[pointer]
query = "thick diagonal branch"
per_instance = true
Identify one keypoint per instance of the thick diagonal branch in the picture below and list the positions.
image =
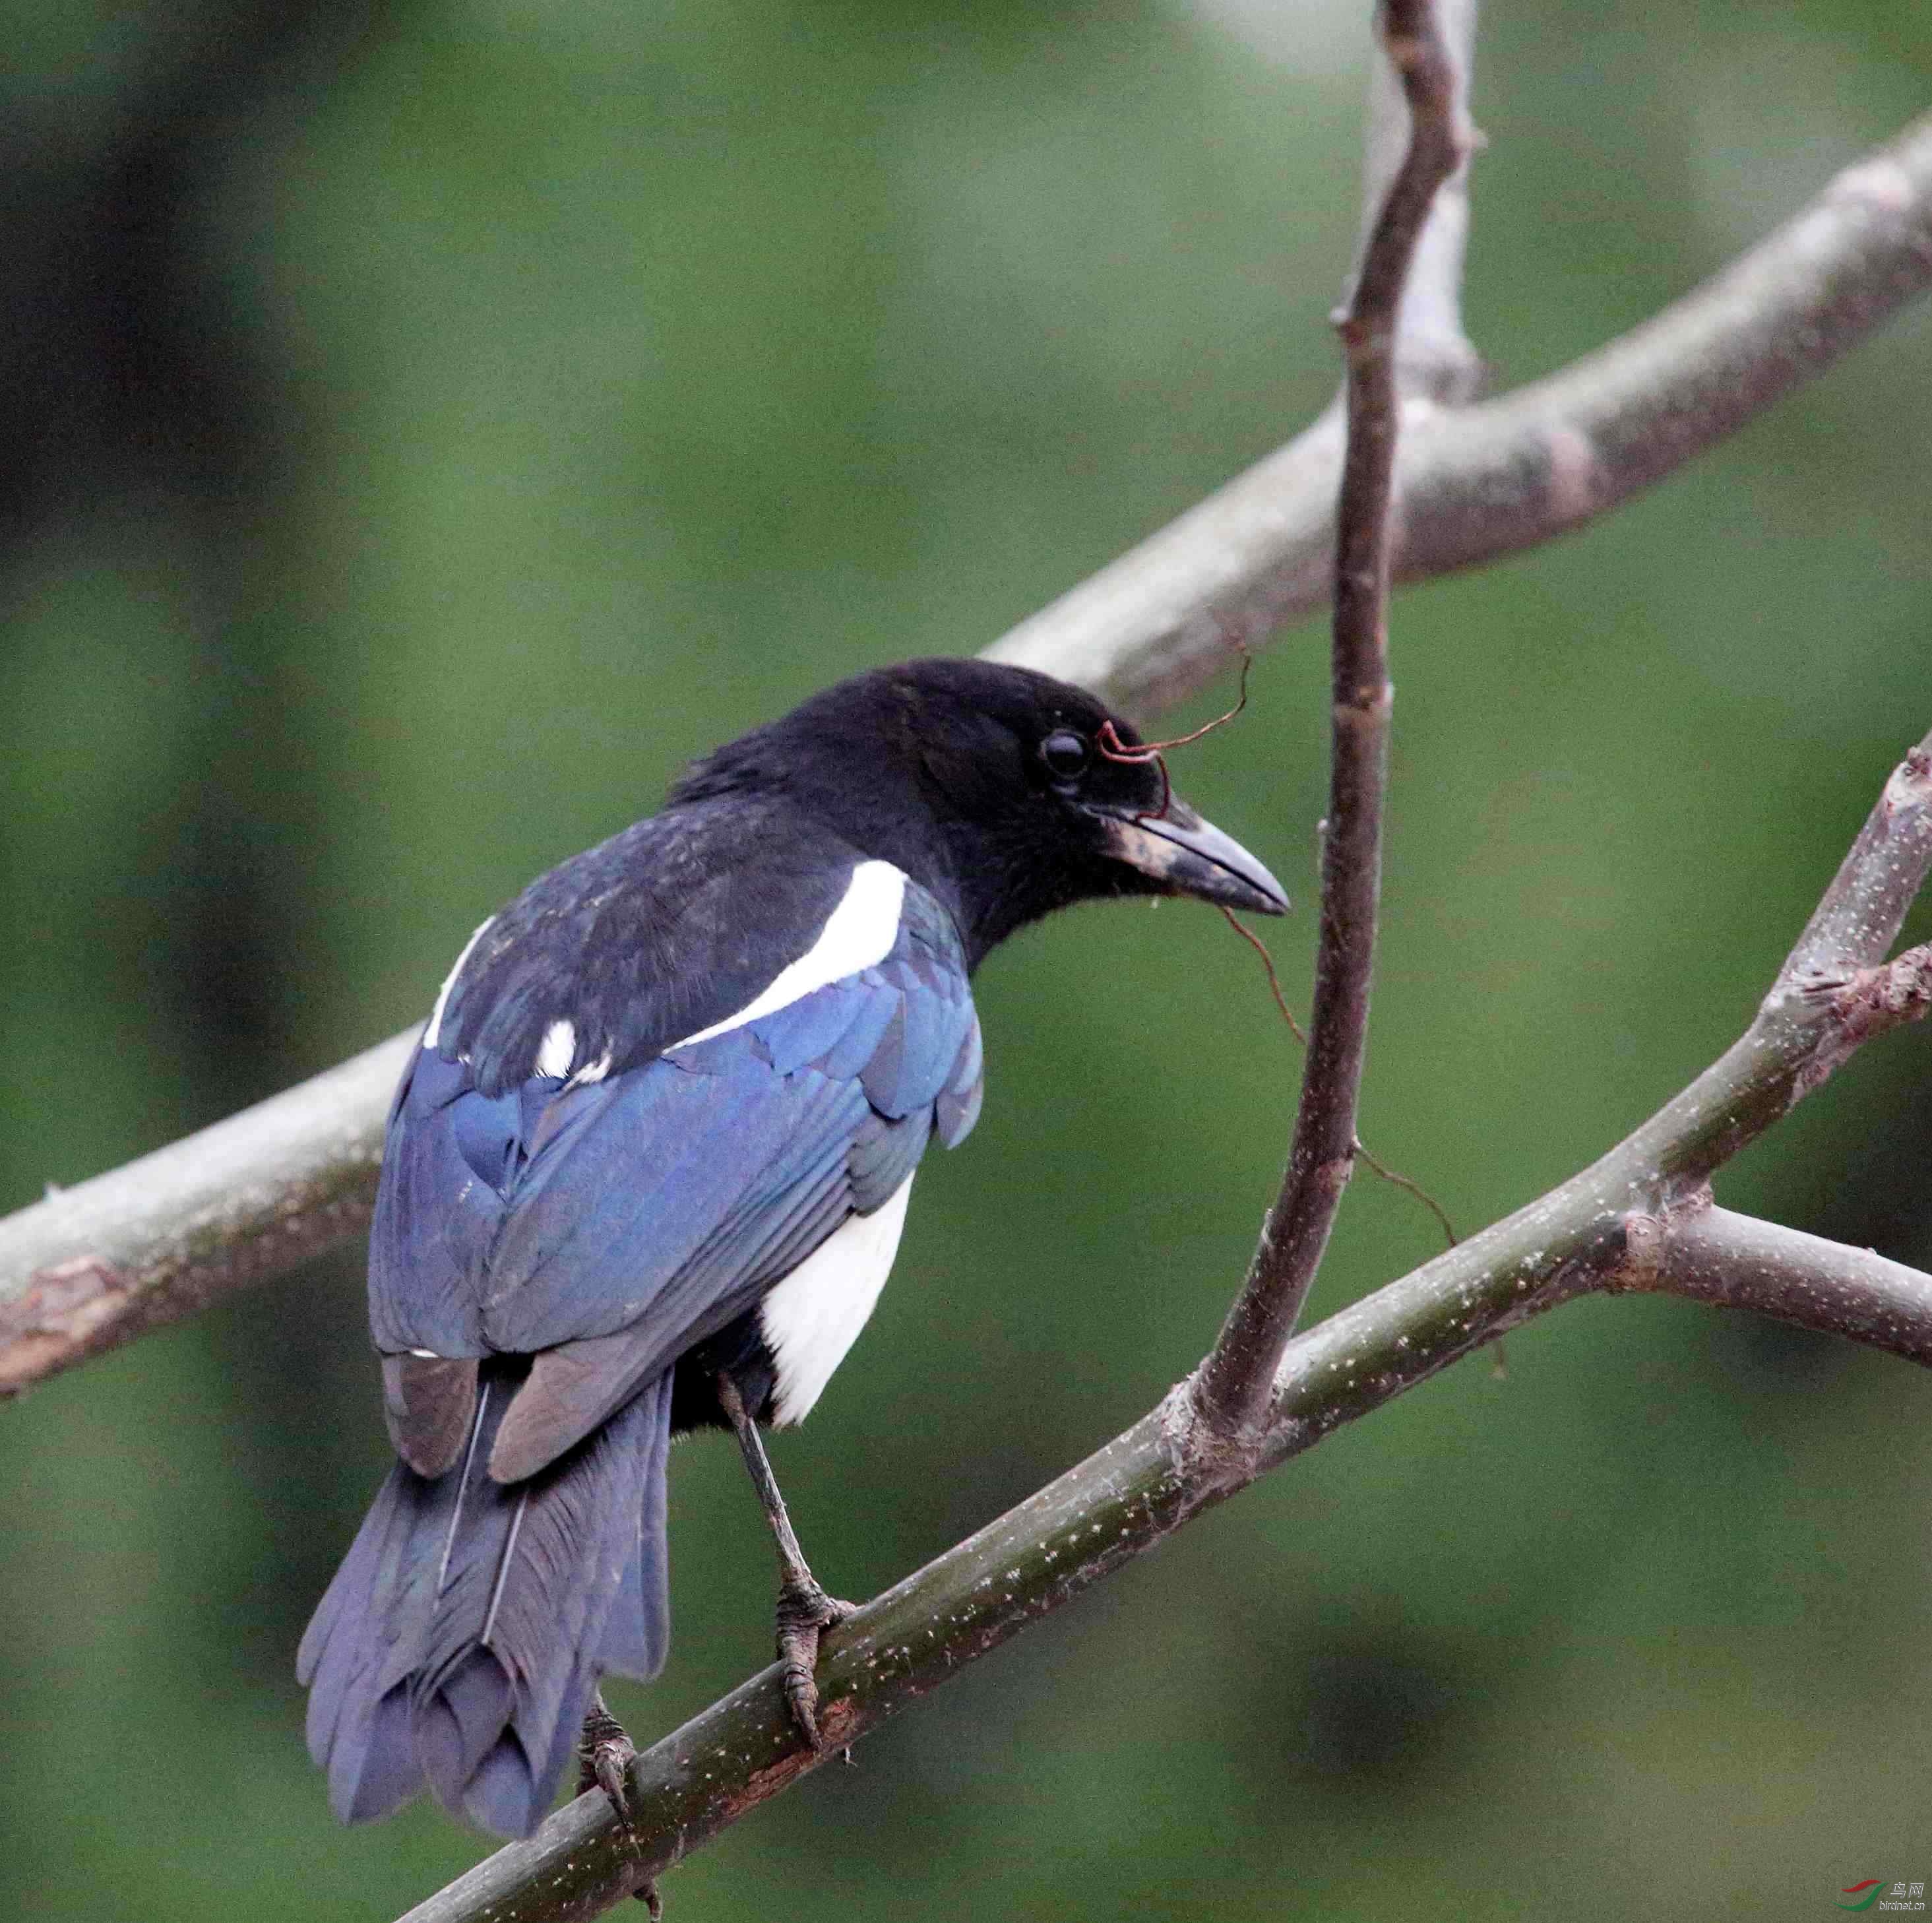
(97, 1265)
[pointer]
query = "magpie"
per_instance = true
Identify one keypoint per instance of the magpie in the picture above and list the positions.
(646, 1172)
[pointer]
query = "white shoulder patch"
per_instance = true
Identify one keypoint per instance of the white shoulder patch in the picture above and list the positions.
(858, 934)
(435, 1028)
(559, 1050)
(815, 1315)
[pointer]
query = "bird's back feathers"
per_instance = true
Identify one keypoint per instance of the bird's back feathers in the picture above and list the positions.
(546, 1246)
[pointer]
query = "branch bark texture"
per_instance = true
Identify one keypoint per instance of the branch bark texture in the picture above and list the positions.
(1231, 1390)
(95, 1265)
(1435, 359)
(1737, 1261)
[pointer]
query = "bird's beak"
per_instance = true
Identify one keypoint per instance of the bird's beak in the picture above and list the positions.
(1188, 856)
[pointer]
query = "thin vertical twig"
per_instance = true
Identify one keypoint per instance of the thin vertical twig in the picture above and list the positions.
(1232, 1389)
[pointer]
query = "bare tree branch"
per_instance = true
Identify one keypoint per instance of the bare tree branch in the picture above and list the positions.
(1435, 359)
(1233, 1385)
(1825, 1003)
(1737, 1261)
(1639, 1218)
(1477, 483)
(1857, 921)
(97, 1265)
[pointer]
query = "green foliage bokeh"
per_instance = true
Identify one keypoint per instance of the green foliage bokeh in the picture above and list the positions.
(625, 373)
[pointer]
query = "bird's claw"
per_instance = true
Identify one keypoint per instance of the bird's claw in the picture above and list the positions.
(804, 1612)
(604, 1755)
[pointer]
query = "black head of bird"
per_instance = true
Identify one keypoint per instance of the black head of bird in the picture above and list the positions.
(1005, 791)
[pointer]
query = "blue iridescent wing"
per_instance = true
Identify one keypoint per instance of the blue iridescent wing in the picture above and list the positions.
(615, 1222)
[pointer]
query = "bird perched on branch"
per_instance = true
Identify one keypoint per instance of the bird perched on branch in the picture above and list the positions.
(647, 1172)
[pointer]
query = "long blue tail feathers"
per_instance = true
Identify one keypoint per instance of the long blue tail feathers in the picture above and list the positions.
(461, 1641)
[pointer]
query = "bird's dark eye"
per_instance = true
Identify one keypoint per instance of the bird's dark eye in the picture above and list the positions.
(1064, 753)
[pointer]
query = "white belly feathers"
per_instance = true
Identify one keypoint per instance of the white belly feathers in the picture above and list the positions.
(814, 1316)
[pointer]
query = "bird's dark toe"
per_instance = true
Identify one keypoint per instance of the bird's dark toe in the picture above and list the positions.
(605, 1755)
(804, 1612)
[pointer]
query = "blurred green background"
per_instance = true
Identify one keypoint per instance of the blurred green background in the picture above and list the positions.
(427, 424)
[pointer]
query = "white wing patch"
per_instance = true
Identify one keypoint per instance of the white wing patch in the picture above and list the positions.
(858, 934)
(814, 1316)
(559, 1050)
(435, 1028)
